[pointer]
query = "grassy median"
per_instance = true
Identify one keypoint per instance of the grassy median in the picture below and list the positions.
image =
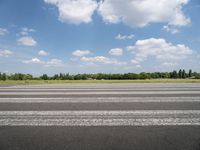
(100, 81)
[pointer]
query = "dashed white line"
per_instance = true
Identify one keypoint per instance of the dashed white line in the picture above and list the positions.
(100, 118)
(101, 100)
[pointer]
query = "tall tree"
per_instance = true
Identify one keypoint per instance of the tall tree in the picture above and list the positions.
(190, 73)
(183, 74)
(174, 74)
(180, 73)
(4, 76)
(44, 77)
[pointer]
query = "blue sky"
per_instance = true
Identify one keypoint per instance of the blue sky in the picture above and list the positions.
(90, 36)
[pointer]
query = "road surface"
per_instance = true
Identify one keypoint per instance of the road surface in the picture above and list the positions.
(100, 116)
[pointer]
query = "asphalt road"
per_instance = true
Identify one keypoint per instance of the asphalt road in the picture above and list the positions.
(100, 116)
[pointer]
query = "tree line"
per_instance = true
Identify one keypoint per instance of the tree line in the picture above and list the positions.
(181, 74)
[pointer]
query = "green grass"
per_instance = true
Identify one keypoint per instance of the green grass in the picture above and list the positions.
(100, 81)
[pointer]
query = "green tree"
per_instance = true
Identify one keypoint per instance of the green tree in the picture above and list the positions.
(174, 75)
(180, 73)
(183, 74)
(3, 77)
(197, 76)
(56, 77)
(144, 75)
(190, 73)
(44, 77)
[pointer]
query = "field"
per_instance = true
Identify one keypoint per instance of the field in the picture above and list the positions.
(100, 81)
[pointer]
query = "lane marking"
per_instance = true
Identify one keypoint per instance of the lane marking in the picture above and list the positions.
(97, 89)
(101, 122)
(111, 113)
(102, 100)
(100, 118)
(95, 93)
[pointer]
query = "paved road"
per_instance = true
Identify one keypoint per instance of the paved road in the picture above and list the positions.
(100, 116)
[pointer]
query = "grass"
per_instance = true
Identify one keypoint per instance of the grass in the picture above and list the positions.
(100, 81)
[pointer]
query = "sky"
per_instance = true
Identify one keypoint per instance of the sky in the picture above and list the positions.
(99, 36)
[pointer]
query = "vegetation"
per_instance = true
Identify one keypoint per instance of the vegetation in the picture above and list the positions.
(181, 74)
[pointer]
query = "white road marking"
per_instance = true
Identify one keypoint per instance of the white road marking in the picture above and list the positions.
(100, 118)
(96, 93)
(102, 100)
(97, 89)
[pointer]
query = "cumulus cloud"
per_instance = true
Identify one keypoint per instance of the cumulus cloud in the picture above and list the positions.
(27, 41)
(116, 51)
(33, 61)
(139, 13)
(136, 61)
(158, 48)
(138, 66)
(124, 37)
(74, 11)
(5, 53)
(3, 31)
(55, 63)
(80, 53)
(171, 29)
(25, 31)
(102, 60)
(52, 63)
(168, 64)
(42, 53)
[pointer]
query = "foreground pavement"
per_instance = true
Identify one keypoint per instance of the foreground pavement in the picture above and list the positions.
(100, 116)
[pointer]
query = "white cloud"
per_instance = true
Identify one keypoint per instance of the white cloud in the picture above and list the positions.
(159, 49)
(124, 37)
(3, 31)
(138, 66)
(27, 41)
(171, 29)
(5, 53)
(139, 13)
(52, 63)
(168, 64)
(42, 53)
(102, 60)
(34, 61)
(116, 52)
(135, 61)
(80, 53)
(75, 11)
(25, 31)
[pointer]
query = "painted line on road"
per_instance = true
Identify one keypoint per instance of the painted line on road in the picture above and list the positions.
(95, 89)
(95, 93)
(100, 118)
(102, 100)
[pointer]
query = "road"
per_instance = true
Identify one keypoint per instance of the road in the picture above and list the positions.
(100, 116)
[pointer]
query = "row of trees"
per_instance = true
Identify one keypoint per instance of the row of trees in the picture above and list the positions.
(181, 74)
(16, 76)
